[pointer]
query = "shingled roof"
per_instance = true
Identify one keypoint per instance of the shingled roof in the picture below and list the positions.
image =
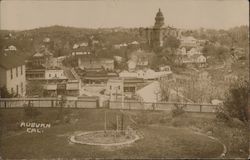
(11, 60)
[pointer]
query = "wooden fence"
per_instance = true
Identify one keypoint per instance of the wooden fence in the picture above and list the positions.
(163, 106)
(93, 103)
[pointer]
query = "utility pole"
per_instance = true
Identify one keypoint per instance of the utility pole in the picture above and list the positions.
(122, 93)
(105, 122)
(117, 124)
(116, 94)
(122, 122)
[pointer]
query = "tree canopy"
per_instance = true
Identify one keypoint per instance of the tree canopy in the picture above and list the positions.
(236, 102)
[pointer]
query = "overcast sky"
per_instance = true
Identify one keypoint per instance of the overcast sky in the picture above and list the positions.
(19, 15)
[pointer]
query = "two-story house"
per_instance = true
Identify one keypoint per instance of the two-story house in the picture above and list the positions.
(12, 73)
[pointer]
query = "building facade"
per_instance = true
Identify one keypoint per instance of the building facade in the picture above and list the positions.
(95, 63)
(12, 71)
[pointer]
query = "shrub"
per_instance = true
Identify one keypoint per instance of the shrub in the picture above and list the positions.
(4, 93)
(178, 110)
(63, 114)
(179, 122)
(31, 111)
(143, 118)
(165, 118)
(222, 114)
(236, 102)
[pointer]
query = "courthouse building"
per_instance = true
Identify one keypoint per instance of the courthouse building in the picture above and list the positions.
(159, 32)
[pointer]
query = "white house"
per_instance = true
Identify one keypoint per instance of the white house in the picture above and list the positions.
(95, 63)
(54, 74)
(46, 40)
(75, 46)
(114, 87)
(11, 48)
(147, 74)
(131, 65)
(165, 68)
(230, 78)
(118, 59)
(126, 74)
(188, 41)
(193, 51)
(12, 71)
(200, 59)
(152, 75)
(84, 44)
(182, 51)
(76, 53)
(62, 82)
(134, 43)
(95, 42)
(119, 46)
(217, 102)
(142, 62)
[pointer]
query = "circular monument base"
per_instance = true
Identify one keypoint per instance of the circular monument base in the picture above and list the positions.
(102, 138)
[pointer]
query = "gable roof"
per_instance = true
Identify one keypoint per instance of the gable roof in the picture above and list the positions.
(38, 54)
(11, 60)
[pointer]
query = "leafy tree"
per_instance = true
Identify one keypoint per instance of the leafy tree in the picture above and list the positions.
(222, 52)
(219, 52)
(172, 42)
(30, 111)
(34, 88)
(4, 93)
(236, 102)
(70, 61)
(165, 90)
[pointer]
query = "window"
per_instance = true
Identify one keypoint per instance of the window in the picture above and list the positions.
(11, 74)
(16, 71)
(110, 87)
(12, 91)
(49, 75)
(119, 87)
(21, 87)
(17, 89)
(21, 70)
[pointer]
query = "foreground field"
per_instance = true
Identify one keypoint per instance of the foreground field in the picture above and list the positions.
(163, 136)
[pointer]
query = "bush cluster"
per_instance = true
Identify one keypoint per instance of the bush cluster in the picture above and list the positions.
(178, 110)
(31, 112)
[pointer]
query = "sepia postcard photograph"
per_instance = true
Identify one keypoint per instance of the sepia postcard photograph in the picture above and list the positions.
(124, 79)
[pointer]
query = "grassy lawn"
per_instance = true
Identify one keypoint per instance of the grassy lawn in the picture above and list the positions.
(163, 136)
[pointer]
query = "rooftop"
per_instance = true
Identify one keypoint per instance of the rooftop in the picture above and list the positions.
(11, 60)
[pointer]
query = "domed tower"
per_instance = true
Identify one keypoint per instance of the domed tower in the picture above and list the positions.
(157, 34)
(159, 19)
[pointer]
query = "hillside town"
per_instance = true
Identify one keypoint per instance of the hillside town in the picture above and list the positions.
(159, 55)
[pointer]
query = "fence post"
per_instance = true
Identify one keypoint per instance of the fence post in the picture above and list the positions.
(75, 103)
(5, 105)
(52, 103)
(200, 108)
(97, 103)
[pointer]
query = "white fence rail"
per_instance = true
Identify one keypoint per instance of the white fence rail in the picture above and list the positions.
(129, 105)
